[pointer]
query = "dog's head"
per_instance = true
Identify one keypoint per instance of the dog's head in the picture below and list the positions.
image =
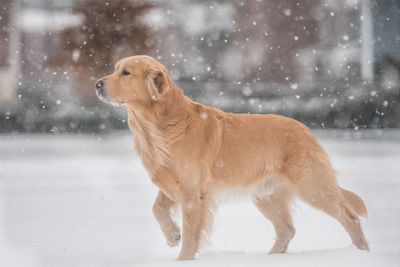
(137, 79)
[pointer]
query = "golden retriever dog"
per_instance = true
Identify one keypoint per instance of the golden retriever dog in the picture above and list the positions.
(195, 154)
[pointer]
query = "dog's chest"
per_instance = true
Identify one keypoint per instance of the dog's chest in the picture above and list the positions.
(152, 151)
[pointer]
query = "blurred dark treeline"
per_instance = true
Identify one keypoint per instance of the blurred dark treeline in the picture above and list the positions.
(331, 64)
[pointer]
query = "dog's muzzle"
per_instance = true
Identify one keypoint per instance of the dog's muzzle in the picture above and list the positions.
(101, 93)
(100, 88)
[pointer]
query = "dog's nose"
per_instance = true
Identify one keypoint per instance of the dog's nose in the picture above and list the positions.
(99, 84)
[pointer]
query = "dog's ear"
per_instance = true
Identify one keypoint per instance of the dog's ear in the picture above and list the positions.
(157, 83)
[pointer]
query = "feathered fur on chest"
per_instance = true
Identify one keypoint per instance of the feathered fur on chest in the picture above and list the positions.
(149, 143)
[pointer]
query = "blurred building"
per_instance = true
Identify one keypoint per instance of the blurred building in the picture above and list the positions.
(6, 84)
(231, 54)
(344, 50)
(248, 41)
(29, 29)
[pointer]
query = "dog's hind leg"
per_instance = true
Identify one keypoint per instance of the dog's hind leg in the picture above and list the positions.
(162, 209)
(319, 189)
(276, 208)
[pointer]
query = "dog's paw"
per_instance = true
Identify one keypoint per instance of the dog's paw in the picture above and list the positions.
(279, 247)
(174, 239)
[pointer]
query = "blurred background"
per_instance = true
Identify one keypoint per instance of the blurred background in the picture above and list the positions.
(73, 192)
(329, 63)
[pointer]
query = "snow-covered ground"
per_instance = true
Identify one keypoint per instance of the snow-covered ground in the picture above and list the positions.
(86, 201)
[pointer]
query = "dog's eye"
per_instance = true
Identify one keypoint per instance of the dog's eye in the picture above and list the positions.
(125, 72)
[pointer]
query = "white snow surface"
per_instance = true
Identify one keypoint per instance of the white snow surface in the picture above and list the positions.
(84, 200)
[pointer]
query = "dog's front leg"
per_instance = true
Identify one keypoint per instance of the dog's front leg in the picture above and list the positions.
(162, 209)
(195, 212)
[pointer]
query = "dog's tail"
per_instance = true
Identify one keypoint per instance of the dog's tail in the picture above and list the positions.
(355, 202)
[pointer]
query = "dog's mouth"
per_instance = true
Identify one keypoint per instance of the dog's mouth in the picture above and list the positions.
(104, 98)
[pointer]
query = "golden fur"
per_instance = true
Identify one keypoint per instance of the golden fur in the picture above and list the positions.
(195, 153)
